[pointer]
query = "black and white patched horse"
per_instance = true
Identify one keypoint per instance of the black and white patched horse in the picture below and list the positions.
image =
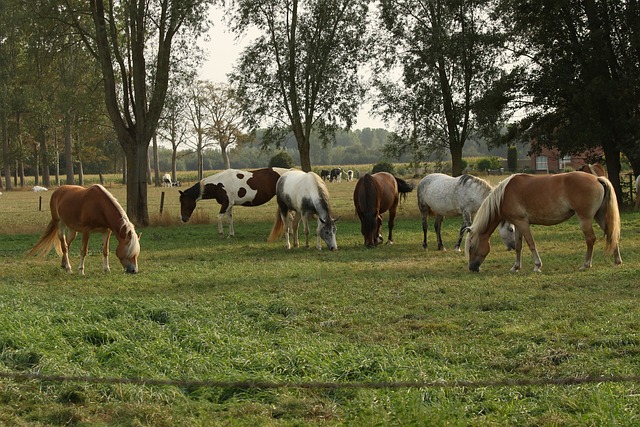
(231, 187)
(335, 175)
(303, 194)
(442, 195)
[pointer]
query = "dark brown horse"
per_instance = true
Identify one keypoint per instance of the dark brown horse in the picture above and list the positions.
(231, 187)
(76, 209)
(374, 195)
(546, 200)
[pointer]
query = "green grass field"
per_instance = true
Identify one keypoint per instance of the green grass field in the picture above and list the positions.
(241, 309)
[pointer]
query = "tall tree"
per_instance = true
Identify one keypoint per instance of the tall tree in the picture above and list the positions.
(301, 72)
(446, 53)
(133, 41)
(581, 61)
(227, 124)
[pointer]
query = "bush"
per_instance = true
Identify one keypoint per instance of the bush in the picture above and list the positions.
(383, 167)
(281, 160)
(487, 163)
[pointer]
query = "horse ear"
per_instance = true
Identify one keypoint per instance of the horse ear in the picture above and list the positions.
(336, 219)
(180, 191)
(139, 235)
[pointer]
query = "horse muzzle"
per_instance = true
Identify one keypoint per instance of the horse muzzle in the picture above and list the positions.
(474, 267)
(184, 218)
(131, 269)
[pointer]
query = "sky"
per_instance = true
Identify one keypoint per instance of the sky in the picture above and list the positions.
(222, 51)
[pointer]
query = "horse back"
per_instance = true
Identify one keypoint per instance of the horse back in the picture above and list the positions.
(387, 189)
(551, 199)
(81, 209)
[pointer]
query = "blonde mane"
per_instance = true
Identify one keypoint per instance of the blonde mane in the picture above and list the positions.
(489, 209)
(133, 246)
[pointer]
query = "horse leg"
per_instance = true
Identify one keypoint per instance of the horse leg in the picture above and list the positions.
(526, 233)
(392, 217)
(105, 251)
(84, 249)
(296, 226)
(425, 225)
(220, 230)
(466, 222)
(517, 264)
(438, 227)
(230, 216)
(65, 244)
(590, 239)
(287, 220)
(305, 223)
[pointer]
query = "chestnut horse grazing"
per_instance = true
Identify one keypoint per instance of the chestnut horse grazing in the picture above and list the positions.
(304, 194)
(231, 187)
(76, 209)
(374, 195)
(442, 195)
(546, 200)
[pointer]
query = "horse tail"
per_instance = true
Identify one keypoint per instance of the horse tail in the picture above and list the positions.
(404, 187)
(48, 241)
(612, 215)
(277, 229)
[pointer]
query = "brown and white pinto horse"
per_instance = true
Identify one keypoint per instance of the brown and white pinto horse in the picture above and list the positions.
(76, 209)
(374, 195)
(546, 200)
(231, 187)
(594, 169)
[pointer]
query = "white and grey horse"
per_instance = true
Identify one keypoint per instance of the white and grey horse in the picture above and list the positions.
(304, 194)
(442, 195)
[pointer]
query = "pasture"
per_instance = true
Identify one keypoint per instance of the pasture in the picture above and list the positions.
(242, 309)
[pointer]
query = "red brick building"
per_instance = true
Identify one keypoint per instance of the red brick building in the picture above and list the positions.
(550, 161)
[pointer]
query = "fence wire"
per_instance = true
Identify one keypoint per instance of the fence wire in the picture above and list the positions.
(249, 384)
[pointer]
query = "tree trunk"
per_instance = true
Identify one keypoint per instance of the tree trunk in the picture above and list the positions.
(156, 165)
(80, 173)
(137, 161)
(174, 161)
(68, 152)
(456, 158)
(6, 165)
(225, 158)
(612, 159)
(44, 159)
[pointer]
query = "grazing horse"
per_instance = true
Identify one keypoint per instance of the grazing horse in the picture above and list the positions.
(442, 195)
(166, 180)
(349, 175)
(374, 195)
(324, 174)
(335, 175)
(305, 194)
(546, 200)
(77, 209)
(231, 187)
(594, 169)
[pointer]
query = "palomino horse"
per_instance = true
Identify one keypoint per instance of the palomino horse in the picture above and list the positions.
(442, 195)
(231, 187)
(305, 194)
(546, 200)
(594, 169)
(86, 210)
(374, 195)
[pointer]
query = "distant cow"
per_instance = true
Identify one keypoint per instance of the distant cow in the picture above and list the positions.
(324, 174)
(349, 175)
(166, 180)
(336, 175)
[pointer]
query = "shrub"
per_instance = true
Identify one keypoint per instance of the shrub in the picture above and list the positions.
(383, 167)
(487, 163)
(281, 160)
(512, 158)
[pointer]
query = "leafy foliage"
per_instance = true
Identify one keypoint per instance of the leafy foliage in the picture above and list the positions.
(281, 160)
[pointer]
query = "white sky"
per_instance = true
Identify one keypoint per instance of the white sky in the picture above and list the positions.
(222, 51)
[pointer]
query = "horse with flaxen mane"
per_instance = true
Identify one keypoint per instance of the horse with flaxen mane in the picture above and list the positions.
(304, 194)
(546, 200)
(76, 209)
(374, 195)
(231, 187)
(442, 195)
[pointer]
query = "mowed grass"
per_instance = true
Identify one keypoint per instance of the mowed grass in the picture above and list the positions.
(209, 309)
